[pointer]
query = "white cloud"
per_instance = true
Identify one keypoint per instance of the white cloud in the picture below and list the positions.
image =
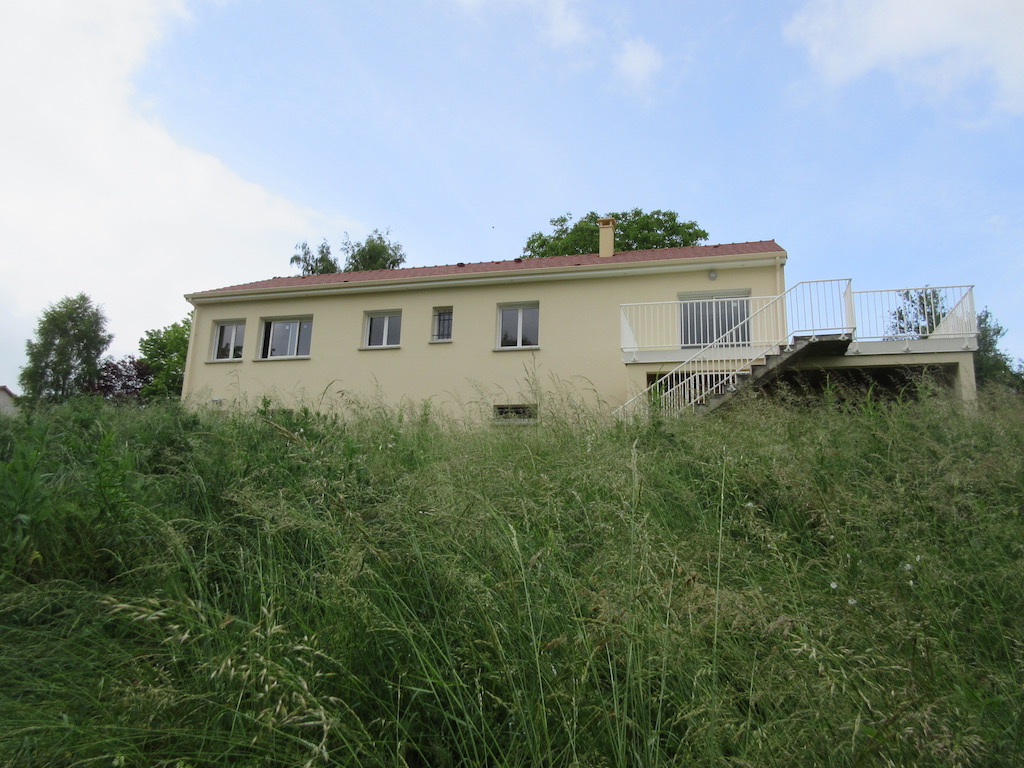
(941, 45)
(96, 198)
(563, 25)
(561, 22)
(637, 62)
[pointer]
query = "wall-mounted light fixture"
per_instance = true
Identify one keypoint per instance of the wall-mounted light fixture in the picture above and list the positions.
(712, 275)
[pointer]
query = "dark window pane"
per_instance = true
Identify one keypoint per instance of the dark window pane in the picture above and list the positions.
(281, 337)
(510, 327)
(376, 335)
(703, 322)
(443, 324)
(394, 330)
(734, 323)
(223, 342)
(713, 321)
(305, 337)
(725, 321)
(531, 323)
(688, 323)
(239, 340)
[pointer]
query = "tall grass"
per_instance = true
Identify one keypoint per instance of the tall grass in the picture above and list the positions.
(784, 583)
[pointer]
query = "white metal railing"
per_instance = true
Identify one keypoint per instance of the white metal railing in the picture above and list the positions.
(916, 313)
(673, 325)
(819, 306)
(748, 329)
(759, 330)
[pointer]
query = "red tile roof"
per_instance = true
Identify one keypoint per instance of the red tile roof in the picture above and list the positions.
(511, 266)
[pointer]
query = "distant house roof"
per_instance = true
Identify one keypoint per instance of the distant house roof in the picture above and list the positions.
(7, 400)
(495, 268)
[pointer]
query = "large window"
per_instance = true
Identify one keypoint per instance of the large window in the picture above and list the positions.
(442, 324)
(287, 338)
(706, 318)
(518, 325)
(383, 329)
(228, 340)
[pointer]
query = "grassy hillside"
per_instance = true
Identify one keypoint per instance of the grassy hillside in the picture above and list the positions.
(833, 584)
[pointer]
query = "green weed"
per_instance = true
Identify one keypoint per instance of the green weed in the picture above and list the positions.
(808, 582)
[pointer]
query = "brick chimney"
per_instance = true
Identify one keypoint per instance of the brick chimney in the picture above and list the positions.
(606, 237)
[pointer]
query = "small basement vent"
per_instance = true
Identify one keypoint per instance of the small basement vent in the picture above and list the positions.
(522, 413)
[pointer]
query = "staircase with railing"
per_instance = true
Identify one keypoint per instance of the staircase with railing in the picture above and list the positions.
(764, 335)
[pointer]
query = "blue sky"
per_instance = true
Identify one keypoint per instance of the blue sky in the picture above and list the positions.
(151, 148)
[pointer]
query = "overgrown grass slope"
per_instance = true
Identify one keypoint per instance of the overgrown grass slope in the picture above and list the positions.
(781, 584)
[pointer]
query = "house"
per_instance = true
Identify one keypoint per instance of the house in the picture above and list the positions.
(8, 405)
(679, 326)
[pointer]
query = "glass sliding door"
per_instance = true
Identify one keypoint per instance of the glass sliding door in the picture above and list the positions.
(706, 319)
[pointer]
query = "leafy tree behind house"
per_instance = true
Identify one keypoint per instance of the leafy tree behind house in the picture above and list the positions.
(377, 251)
(320, 263)
(918, 313)
(123, 379)
(164, 351)
(991, 364)
(64, 359)
(635, 230)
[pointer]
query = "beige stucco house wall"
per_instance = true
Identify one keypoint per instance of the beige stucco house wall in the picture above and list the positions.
(500, 338)
(575, 301)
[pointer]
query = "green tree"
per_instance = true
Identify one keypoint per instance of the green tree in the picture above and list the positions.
(918, 314)
(123, 379)
(378, 251)
(64, 359)
(991, 364)
(164, 351)
(634, 231)
(321, 263)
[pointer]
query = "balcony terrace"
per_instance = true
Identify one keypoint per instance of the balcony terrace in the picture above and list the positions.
(712, 343)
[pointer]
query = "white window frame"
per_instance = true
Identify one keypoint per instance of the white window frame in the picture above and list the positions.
(519, 307)
(388, 315)
(437, 328)
(233, 348)
(294, 341)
